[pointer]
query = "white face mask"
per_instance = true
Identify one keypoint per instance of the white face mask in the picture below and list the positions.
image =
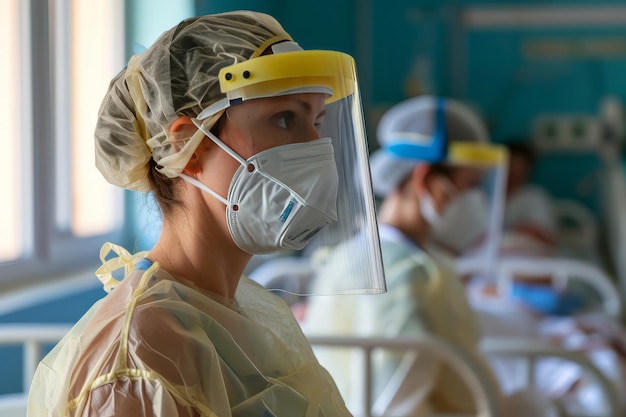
(463, 222)
(427, 204)
(428, 210)
(280, 198)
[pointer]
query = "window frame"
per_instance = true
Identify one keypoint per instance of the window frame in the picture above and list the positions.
(50, 250)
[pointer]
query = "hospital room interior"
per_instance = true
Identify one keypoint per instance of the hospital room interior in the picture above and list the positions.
(545, 78)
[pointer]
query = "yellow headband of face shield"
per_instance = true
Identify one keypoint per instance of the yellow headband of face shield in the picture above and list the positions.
(288, 73)
(477, 154)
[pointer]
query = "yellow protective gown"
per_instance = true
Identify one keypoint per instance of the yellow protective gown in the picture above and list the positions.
(158, 346)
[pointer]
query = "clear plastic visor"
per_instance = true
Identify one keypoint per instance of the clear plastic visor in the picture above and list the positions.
(351, 243)
(471, 229)
(350, 246)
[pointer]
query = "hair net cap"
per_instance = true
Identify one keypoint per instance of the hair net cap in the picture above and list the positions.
(414, 120)
(176, 76)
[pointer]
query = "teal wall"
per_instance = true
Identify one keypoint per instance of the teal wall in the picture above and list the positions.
(406, 47)
(512, 87)
(403, 48)
(513, 84)
(147, 19)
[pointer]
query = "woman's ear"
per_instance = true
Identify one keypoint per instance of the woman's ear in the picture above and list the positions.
(194, 166)
(182, 123)
(418, 179)
(440, 189)
(182, 128)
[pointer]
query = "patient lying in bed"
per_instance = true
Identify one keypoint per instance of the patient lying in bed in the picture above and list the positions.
(542, 305)
(529, 224)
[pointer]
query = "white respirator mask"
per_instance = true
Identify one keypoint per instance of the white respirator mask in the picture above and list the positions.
(428, 210)
(279, 198)
(463, 221)
(427, 204)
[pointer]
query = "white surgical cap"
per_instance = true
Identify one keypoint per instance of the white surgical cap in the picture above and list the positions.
(176, 76)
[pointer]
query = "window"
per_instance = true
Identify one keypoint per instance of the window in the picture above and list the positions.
(10, 106)
(95, 56)
(62, 56)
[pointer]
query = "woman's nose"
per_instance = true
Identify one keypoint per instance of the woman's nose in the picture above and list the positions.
(310, 134)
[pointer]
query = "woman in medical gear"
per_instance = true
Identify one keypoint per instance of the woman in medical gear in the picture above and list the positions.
(433, 159)
(224, 120)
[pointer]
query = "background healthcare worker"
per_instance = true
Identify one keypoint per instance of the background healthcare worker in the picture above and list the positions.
(223, 119)
(432, 160)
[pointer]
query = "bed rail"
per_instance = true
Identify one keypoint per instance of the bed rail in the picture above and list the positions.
(32, 337)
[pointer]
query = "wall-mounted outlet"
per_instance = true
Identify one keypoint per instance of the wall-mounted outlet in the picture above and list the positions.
(566, 132)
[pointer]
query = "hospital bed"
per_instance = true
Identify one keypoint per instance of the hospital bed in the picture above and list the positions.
(427, 347)
(294, 273)
(419, 352)
(578, 259)
(577, 228)
(602, 331)
(35, 337)
(291, 275)
(586, 175)
(614, 201)
(578, 264)
(562, 270)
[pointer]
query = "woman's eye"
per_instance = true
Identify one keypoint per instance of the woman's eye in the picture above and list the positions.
(284, 120)
(319, 123)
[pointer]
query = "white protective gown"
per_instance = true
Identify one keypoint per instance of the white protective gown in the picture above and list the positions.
(158, 346)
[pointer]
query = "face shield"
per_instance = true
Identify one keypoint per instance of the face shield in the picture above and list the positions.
(470, 226)
(287, 71)
(448, 136)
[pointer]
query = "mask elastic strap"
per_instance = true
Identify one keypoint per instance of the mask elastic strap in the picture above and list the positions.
(203, 187)
(227, 149)
(238, 158)
(219, 143)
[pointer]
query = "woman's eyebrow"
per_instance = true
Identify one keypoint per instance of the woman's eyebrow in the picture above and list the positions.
(306, 106)
(303, 103)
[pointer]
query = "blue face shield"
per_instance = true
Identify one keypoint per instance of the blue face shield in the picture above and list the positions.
(547, 300)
